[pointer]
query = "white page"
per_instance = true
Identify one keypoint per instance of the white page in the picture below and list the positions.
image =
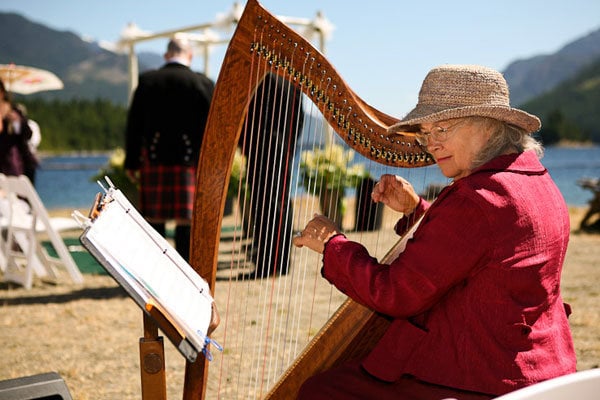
(146, 259)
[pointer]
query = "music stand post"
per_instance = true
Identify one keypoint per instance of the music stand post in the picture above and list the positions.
(152, 362)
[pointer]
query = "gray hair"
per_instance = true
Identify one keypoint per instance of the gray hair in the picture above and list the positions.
(178, 45)
(505, 137)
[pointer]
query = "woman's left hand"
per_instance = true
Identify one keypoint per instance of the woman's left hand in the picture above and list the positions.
(316, 233)
(397, 193)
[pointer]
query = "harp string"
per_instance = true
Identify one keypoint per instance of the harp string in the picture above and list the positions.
(271, 229)
(291, 287)
(275, 333)
(267, 322)
(270, 288)
(278, 114)
(321, 133)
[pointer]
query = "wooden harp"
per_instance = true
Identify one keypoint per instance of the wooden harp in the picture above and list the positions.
(264, 45)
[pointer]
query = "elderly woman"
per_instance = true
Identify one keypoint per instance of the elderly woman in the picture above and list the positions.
(475, 297)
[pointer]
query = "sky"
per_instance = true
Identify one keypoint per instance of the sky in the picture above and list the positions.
(382, 48)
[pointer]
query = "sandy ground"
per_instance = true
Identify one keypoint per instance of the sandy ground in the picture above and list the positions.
(89, 333)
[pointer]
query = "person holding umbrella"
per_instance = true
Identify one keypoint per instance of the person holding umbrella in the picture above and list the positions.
(17, 131)
(15, 155)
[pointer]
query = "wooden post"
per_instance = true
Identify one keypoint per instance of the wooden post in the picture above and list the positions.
(152, 362)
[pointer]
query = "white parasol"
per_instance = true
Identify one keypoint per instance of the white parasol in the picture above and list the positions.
(26, 80)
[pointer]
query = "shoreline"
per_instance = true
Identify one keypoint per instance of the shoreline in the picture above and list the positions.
(567, 163)
(66, 211)
(60, 153)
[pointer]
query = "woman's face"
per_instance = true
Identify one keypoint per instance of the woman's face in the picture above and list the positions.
(456, 149)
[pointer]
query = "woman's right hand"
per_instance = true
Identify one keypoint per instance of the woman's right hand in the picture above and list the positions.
(397, 193)
(317, 233)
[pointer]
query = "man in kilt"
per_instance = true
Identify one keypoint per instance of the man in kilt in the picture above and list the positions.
(165, 126)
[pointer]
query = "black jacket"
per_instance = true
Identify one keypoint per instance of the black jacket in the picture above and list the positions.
(167, 116)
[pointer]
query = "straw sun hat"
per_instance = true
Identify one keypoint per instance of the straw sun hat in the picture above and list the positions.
(456, 91)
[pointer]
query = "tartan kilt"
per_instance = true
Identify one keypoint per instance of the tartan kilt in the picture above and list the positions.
(167, 191)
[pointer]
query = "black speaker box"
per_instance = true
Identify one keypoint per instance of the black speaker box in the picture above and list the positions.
(48, 386)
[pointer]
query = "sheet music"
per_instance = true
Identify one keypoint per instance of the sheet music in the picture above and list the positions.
(149, 267)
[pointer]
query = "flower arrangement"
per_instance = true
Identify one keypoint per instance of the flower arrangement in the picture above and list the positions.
(330, 168)
(327, 172)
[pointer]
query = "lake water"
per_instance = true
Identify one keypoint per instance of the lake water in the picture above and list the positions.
(65, 181)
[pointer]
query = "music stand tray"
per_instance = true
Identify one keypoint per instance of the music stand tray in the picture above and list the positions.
(150, 270)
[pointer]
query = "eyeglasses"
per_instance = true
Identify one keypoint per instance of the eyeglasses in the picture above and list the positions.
(436, 133)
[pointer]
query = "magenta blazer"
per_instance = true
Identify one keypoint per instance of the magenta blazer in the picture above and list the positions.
(475, 297)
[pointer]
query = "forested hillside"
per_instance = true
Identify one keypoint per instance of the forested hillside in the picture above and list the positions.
(535, 76)
(78, 125)
(571, 111)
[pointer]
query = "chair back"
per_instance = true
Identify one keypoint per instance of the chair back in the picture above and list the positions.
(583, 385)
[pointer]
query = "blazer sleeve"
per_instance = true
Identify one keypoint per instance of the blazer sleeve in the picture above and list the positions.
(445, 249)
(407, 221)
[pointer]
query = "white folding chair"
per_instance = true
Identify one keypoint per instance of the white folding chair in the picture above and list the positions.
(25, 219)
(583, 385)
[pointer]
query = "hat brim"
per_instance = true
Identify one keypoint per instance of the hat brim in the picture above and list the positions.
(427, 114)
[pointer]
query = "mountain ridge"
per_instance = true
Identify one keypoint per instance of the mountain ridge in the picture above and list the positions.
(560, 87)
(90, 71)
(534, 76)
